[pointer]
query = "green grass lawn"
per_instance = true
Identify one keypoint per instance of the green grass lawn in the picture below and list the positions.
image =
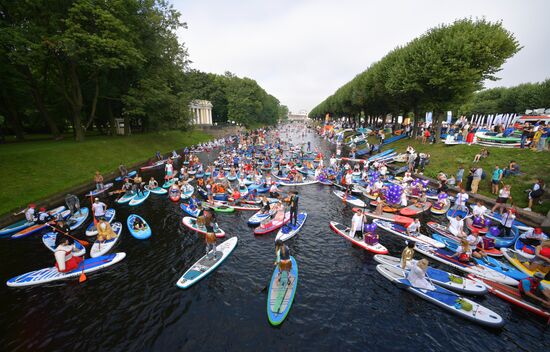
(37, 169)
(445, 158)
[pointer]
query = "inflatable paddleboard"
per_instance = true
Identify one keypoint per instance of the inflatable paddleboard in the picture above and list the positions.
(139, 234)
(109, 216)
(49, 241)
(139, 198)
(281, 293)
(288, 231)
(343, 231)
(101, 248)
(46, 275)
(157, 190)
(207, 264)
(191, 223)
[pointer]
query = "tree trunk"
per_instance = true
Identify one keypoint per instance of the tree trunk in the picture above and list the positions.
(112, 126)
(437, 125)
(76, 102)
(12, 115)
(94, 105)
(415, 122)
(126, 125)
(40, 105)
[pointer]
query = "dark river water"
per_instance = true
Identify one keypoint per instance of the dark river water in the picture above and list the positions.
(341, 304)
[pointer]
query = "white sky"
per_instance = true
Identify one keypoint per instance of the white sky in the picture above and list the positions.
(301, 51)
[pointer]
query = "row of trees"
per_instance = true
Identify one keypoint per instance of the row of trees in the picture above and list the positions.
(437, 71)
(513, 99)
(79, 64)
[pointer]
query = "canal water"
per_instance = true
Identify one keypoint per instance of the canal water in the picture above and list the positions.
(342, 303)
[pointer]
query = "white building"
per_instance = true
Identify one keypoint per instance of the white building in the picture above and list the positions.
(300, 116)
(201, 112)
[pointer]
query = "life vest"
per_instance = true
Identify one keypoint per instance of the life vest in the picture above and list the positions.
(545, 252)
(533, 288)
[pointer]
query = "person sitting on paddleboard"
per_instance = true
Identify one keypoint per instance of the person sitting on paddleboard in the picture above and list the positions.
(65, 261)
(282, 253)
(152, 183)
(456, 225)
(273, 190)
(414, 228)
(542, 259)
(99, 209)
(43, 216)
(62, 229)
(532, 289)
(479, 210)
(265, 205)
(463, 252)
(408, 254)
(139, 225)
(417, 275)
(30, 212)
(104, 231)
(357, 222)
(474, 240)
(98, 179)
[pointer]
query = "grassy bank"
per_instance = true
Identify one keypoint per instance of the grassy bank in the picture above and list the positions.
(38, 169)
(447, 159)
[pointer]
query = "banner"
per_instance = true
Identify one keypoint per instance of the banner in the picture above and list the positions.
(449, 117)
(428, 118)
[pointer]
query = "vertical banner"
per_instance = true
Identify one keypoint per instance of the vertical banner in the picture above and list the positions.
(490, 121)
(449, 117)
(428, 118)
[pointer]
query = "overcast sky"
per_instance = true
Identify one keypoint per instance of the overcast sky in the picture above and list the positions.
(301, 51)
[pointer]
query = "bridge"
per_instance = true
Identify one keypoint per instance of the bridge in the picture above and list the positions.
(300, 116)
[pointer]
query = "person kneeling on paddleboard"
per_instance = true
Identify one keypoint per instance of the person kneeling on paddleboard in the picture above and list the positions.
(532, 289)
(99, 209)
(65, 261)
(474, 240)
(282, 252)
(152, 183)
(139, 225)
(413, 228)
(463, 252)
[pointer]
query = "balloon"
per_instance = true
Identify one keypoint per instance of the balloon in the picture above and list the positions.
(477, 220)
(494, 231)
(487, 222)
(442, 196)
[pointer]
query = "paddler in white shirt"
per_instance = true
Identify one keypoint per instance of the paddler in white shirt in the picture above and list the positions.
(357, 222)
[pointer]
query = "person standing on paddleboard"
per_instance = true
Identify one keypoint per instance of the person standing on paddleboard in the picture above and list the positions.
(357, 222)
(73, 204)
(210, 237)
(294, 208)
(138, 183)
(99, 209)
(282, 253)
(98, 179)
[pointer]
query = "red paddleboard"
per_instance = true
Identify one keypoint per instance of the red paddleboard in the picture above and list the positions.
(272, 225)
(479, 229)
(415, 209)
(403, 220)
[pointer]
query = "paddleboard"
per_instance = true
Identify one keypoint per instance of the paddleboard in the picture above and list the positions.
(130, 174)
(49, 241)
(401, 231)
(281, 294)
(139, 234)
(207, 263)
(139, 198)
(109, 216)
(43, 276)
(96, 192)
(415, 209)
(101, 248)
(191, 223)
(157, 190)
(351, 199)
(343, 231)
(268, 226)
(288, 231)
(126, 197)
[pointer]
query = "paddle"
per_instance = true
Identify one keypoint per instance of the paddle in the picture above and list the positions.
(82, 242)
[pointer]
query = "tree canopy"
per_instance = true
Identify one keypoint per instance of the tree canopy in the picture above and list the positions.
(438, 70)
(79, 64)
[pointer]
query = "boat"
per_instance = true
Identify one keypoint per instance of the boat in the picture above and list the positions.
(444, 298)
(494, 139)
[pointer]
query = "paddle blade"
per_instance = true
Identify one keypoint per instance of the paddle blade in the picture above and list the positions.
(82, 278)
(84, 243)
